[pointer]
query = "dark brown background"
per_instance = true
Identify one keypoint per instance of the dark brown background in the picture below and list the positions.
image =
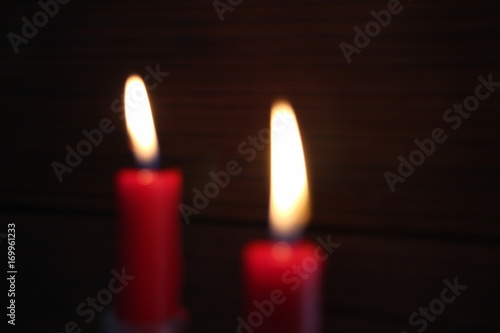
(397, 248)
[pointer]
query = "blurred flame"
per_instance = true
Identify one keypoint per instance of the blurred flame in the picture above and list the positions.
(289, 209)
(139, 119)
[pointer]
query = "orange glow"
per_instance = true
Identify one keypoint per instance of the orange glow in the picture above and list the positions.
(281, 251)
(139, 119)
(289, 207)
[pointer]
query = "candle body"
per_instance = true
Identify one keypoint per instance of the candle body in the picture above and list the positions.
(149, 244)
(282, 287)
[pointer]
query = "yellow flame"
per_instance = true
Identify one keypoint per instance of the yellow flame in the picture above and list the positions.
(139, 119)
(289, 209)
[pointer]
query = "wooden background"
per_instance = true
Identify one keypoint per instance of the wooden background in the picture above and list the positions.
(397, 248)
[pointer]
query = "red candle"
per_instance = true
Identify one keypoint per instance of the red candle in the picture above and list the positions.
(149, 221)
(282, 277)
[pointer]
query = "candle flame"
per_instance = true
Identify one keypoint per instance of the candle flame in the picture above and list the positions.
(140, 124)
(289, 209)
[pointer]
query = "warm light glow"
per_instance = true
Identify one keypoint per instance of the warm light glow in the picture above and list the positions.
(289, 209)
(139, 119)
